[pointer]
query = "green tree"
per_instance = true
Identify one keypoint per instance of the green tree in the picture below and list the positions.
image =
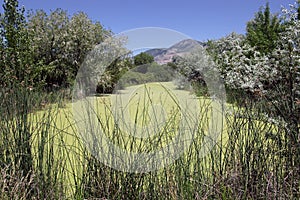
(286, 59)
(16, 69)
(298, 10)
(61, 43)
(275, 76)
(15, 44)
(263, 31)
(103, 66)
(113, 73)
(84, 35)
(223, 51)
(143, 58)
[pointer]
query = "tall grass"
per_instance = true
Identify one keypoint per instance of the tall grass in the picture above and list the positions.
(32, 146)
(248, 162)
(43, 157)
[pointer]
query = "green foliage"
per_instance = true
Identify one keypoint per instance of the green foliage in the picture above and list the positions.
(123, 72)
(162, 73)
(143, 58)
(61, 43)
(286, 93)
(46, 50)
(195, 69)
(298, 10)
(270, 79)
(147, 73)
(112, 75)
(263, 31)
(136, 78)
(16, 57)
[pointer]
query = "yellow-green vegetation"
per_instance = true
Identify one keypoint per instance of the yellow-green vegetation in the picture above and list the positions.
(55, 142)
(142, 118)
(65, 149)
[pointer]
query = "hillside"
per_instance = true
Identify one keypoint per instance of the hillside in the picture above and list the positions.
(165, 55)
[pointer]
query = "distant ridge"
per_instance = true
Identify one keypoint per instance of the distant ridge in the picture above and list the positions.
(165, 55)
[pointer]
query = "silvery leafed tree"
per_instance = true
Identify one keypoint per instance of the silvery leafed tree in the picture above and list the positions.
(271, 76)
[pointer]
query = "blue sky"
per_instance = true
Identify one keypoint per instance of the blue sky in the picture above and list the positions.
(199, 19)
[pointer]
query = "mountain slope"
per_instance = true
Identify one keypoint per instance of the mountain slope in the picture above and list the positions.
(163, 56)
